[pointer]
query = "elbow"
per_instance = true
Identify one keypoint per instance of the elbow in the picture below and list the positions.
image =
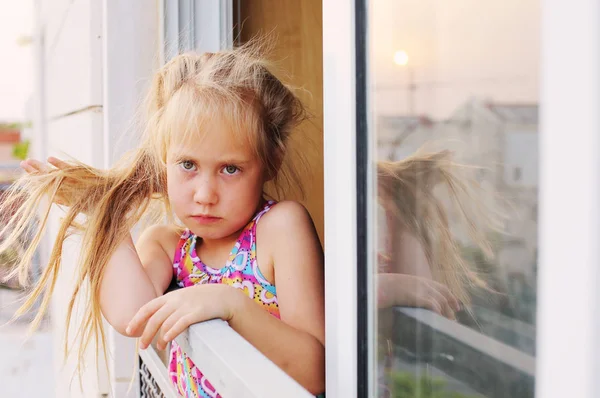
(119, 324)
(120, 327)
(119, 316)
(315, 382)
(316, 388)
(311, 374)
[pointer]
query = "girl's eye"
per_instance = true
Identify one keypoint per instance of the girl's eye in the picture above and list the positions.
(187, 165)
(230, 169)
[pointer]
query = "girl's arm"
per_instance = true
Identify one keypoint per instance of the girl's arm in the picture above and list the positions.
(406, 279)
(127, 285)
(296, 342)
(406, 253)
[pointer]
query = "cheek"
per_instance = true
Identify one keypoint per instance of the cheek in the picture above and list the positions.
(249, 194)
(171, 185)
(175, 191)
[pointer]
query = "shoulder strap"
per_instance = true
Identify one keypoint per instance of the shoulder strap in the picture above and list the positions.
(182, 247)
(248, 236)
(264, 210)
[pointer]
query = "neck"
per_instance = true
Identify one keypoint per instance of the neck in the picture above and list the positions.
(212, 245)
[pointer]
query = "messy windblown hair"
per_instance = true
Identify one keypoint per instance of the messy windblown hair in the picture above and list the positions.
(412, 190)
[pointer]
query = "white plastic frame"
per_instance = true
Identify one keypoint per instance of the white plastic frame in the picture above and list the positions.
(568, 288)
(339, 94)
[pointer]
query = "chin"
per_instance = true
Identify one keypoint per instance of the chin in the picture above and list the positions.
(223, 229)
(211, 233)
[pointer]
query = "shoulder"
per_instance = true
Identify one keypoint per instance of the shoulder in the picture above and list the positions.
(156, 247)
(287, 228)
(285, 216)
(164, 236)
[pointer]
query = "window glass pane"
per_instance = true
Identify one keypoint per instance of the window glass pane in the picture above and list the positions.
(453, 110)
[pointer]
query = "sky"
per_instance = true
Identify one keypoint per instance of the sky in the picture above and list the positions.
(457, 49)
(16, 66)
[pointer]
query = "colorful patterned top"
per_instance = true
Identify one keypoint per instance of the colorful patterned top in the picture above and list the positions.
(241, 271)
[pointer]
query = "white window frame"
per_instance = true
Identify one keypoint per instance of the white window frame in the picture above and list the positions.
(568, 322)
(187, 25)
(568, 294)
(339, 94)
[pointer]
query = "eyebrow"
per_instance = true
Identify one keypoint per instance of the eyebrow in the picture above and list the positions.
(178, 157)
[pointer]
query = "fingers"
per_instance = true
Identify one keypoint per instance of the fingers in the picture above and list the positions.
(141, 317)
(154, 324)
(437, 302)
(454, 303)
(175, 324)
(432, 304)
(59, 164)
(451, 298)
(182, 323)
(25, 166)
(161, 344)
(439, 298)
(33, 166)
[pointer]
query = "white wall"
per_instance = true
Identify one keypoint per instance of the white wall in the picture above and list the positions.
(70, 124)
(93, 62)
(131, 40)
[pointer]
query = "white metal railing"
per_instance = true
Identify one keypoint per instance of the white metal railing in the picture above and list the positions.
(499, 351)
(234, 367)
(154, 376)
(476, 360)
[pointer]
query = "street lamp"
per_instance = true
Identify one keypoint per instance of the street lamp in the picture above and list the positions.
(401, 59)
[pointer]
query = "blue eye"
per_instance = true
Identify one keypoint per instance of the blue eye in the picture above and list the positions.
(187, 165)
(230, 169)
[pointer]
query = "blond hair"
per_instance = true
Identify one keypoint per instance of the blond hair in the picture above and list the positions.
(190, 89)
(409, 190)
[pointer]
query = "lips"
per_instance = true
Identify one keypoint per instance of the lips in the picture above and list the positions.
(205, 218)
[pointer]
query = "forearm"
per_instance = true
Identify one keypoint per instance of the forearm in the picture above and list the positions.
(409, 255)
(298, 353)
(125, 286)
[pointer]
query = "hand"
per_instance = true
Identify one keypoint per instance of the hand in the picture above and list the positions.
(33, 166)
(172, 313)
(414, 291)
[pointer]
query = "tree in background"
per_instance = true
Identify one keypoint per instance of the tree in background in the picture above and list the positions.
(21, 149)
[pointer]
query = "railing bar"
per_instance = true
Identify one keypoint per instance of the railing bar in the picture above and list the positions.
(478, 341)
(233, 366)
(159, 372)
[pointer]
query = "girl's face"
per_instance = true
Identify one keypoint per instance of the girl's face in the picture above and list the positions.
(215, 184)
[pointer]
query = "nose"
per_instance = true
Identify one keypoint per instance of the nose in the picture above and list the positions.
(205, 192)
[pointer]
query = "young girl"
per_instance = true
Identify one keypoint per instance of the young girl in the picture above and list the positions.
(215, 137)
